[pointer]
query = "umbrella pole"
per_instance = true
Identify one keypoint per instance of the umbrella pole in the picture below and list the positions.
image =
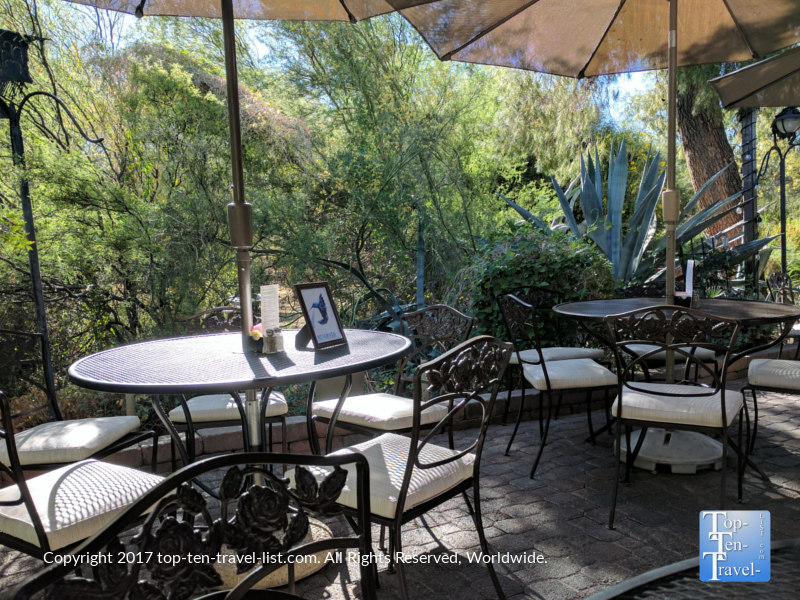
(240, 213)
(671, 198)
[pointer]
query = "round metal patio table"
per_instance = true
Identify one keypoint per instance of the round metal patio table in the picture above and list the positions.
(750, 313)
(206, 364)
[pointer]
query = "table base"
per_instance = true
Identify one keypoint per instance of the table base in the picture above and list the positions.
(684, 451)
(317, 531)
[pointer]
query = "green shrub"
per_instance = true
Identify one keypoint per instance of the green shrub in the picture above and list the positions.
(528, 256)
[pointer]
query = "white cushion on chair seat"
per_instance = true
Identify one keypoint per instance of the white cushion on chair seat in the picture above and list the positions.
(221, 407)
(569, 374)
(388, 456)
(781, 374)
(702, 354)
(687, 409)
(379, 411)
(532, 356)
(68, 441)
(74, 502)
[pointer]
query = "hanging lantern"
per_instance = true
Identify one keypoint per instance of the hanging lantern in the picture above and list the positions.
(14, 71)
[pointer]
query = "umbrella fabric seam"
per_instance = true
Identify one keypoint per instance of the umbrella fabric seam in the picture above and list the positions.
(740, 30)
(582, 72)
(488, 30)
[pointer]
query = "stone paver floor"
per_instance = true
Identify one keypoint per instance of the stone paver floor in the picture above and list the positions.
(562, 513)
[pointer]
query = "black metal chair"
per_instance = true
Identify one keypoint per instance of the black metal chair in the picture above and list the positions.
(254, 520)
(779, 288)
(550, 377)
(779, 375)
(220, 410)
(409, 475)
(57, 441)
(658, 289)
(434, 330)
(55, 511)
(542, 300)
(681, 406)
(652, 289)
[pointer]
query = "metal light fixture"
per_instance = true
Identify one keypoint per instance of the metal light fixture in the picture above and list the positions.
(785, 126)
(786, 123)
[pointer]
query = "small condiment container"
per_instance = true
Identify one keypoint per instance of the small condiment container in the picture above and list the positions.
(270, 347)
(695, 299)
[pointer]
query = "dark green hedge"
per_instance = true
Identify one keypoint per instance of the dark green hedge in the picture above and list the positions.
(530, 256)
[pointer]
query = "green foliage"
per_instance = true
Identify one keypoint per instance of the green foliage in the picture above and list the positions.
(529, 256)
(12, 232)
(545, 120)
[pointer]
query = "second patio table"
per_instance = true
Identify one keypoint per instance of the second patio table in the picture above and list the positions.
(749, 312)
(685, 450)
(217, 364)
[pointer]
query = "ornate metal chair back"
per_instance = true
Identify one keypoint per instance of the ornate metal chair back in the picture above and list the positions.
(470, 372)
(653, 289)
(221, 319)
(550, 325)
(22, 366)
(434, 330)
(680, 330)
(524, 328)
(780, 288)
(257, 529)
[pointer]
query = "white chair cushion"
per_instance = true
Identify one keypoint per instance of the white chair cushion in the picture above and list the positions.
(74, 502)
(688, 409)
(703, 354)
(532, 356)
(221, 407)
(569, 374)
(387, 456)
(379, 411)
(68, 441)
(781, 374)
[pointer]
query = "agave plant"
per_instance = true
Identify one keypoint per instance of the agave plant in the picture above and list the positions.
(605, 226)
(628, 254)
(604, 223)
(626, 247)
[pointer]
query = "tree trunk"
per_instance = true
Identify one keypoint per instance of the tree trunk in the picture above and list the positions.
(707, 152)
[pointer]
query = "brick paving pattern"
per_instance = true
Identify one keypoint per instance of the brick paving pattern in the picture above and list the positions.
(562, 515)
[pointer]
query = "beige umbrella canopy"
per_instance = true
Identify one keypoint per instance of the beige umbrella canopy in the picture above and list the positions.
(773, 82)
(583, 38)
(267, 10)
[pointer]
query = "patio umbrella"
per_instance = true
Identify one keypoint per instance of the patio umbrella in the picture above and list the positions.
(240, 212)
(772, 82)
(583, 38)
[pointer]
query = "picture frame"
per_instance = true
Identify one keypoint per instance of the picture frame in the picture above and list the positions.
(321, 316)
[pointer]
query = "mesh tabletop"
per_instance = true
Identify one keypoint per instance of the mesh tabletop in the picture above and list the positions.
(682, 582)
(749, 312)
(217, 363)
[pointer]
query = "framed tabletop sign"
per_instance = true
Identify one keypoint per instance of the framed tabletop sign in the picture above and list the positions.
(320, 314)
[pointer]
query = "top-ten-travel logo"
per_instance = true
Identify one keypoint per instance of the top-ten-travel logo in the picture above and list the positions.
(734, 545)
